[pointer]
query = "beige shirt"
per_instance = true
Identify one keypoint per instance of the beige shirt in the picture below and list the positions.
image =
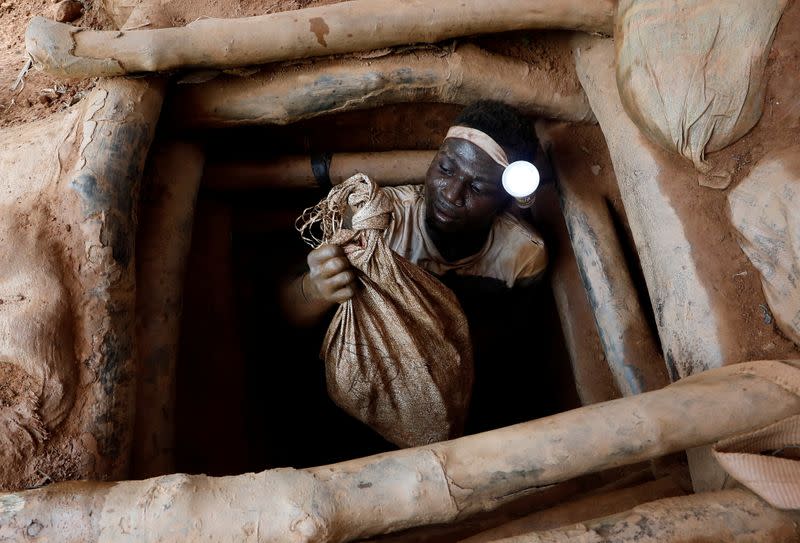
(513, 250)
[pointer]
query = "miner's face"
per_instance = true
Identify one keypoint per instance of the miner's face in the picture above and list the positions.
(463, 191)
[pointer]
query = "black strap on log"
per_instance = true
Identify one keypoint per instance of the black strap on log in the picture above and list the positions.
(321, 168)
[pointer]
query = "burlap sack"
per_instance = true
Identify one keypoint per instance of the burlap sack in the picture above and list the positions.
(691, 74)
(765, 209)
(398, 354)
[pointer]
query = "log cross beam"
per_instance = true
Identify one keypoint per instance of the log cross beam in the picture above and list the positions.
(458, 76)
(359, 25)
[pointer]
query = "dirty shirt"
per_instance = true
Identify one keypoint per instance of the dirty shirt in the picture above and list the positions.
(513, 252)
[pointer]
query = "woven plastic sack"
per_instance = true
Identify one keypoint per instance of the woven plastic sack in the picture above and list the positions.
(691, 74)
(765, 209)
(397, 355)
(751, 459)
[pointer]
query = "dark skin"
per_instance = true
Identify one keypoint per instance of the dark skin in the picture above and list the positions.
(463, 195)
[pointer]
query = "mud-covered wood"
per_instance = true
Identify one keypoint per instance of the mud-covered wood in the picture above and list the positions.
(163, 240)
(594, 381)
(116, 134)
(723, 517)
(385, 168)
(687, 321)
(460, 76)
(359, 25)
(434, 484)
(543, 500)
(631, 350)
(594, 505)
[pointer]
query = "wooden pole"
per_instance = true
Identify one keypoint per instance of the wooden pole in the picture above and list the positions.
(163, 241)
(630, 347)
(591, 506)
(116, 139)
(282, 95)
(358, 25)
(594, 381)
(698, 303)
(386, 169)
(727, 516)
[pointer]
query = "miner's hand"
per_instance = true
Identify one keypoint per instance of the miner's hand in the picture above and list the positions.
(331, 277)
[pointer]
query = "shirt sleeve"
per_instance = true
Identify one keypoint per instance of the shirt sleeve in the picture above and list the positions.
(518, 253)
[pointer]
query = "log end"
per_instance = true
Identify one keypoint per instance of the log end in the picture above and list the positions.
(51, 45)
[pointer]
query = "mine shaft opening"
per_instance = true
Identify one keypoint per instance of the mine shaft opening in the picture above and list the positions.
(250, 387)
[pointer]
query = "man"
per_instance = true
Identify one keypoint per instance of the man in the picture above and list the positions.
(458, 227)
(455, 224)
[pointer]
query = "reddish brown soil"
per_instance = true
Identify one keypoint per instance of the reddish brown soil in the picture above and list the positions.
(705, 212)
(549, 50)
(40, 94)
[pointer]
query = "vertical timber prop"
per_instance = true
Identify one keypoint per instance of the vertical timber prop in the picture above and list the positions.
(593, 379)
(116, 135)
(125, 127)
(631, 350)
(690, 341)
(168, 201)
(438, 483)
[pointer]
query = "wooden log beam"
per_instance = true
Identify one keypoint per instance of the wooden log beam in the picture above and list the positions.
(118, 130)
(163, 241)
(358, 25)
(115, 139)
(688, 324)
(593, 505)
(544, 500)
(296, 172)
(594, 381)
(468, 73)
(437, 483)
(727, 516)
(630, 347)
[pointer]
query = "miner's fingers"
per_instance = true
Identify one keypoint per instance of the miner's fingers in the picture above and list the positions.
(333, 267)
(343, 294)
(339, 281)
(323, 253)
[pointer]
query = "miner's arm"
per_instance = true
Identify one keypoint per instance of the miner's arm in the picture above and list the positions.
(329, 279)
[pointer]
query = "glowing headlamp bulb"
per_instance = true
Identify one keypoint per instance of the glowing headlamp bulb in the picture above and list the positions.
(521, 179)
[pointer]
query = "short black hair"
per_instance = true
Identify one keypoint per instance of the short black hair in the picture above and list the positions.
(504, 124)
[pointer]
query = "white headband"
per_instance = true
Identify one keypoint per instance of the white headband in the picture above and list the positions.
(482, 140)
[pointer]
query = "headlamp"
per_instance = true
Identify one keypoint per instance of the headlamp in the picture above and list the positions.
(521, 179)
